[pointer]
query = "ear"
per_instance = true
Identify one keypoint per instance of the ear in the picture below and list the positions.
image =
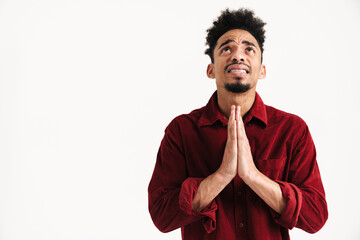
(262, 72)
(210, 71)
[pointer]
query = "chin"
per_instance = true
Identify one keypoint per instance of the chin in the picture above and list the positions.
(237, 87)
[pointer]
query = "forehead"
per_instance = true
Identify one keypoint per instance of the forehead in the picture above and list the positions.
(238, 35)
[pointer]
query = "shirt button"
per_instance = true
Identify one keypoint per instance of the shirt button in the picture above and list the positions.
(238, 193)
(241, 225)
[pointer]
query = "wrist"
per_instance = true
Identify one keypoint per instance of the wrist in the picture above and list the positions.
(223, 178)
(251, 176)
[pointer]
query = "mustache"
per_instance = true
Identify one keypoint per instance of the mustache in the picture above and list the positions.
(227, 66)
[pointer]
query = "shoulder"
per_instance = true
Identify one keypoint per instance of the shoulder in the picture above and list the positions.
(292, 128)
(290, 125)
(276, 117)
(185, 121)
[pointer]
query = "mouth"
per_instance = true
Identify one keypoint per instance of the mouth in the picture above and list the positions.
(238, 70)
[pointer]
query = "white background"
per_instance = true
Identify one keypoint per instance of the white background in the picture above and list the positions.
(88, 87)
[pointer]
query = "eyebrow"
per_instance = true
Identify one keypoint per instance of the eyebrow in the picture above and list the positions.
(243, 42)
(249, 43)
(226, 42)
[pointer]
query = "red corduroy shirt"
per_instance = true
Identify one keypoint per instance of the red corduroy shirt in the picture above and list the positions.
(193, 148)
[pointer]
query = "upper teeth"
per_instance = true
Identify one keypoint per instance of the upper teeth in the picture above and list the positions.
(238, 70)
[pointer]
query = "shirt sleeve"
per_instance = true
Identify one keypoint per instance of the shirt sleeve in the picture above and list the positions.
(306, 207)
(171, 191)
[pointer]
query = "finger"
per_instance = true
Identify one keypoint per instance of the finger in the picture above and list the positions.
(239, 124)
(232, 113)
(232, 124)
(237, 115)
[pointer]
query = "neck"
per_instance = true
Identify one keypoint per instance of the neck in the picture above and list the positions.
(244, 100)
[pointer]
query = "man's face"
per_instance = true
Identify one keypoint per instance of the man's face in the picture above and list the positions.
(237, 62)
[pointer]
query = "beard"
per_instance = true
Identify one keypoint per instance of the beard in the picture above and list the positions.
(237, 87)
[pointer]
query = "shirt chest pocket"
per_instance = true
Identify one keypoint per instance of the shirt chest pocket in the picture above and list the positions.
(272, 167)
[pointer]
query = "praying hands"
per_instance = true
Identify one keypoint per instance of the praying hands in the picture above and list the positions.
(237, 159)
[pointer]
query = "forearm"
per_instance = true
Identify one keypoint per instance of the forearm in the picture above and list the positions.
(211, 186)
(172, 208)
(165, 212)
(208, 189)
(267, 189)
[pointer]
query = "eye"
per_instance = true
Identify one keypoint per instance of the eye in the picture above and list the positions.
(250, 49)
(225, 49)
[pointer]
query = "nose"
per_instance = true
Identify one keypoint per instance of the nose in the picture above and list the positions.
(238, 56)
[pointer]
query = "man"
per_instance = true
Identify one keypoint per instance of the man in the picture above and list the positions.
(236, 168)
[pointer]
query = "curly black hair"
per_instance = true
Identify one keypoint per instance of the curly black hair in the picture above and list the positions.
(238, 19)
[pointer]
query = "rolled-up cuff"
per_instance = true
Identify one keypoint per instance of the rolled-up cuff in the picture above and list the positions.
(187, 194)
(293, 198)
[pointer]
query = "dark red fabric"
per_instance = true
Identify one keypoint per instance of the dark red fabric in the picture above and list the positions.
(192, 149)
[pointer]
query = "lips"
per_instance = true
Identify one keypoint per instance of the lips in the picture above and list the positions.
(238, 68)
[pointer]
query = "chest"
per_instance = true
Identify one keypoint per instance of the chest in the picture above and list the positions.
(270, 148)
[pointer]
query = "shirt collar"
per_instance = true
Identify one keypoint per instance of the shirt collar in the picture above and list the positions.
(211, 113)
